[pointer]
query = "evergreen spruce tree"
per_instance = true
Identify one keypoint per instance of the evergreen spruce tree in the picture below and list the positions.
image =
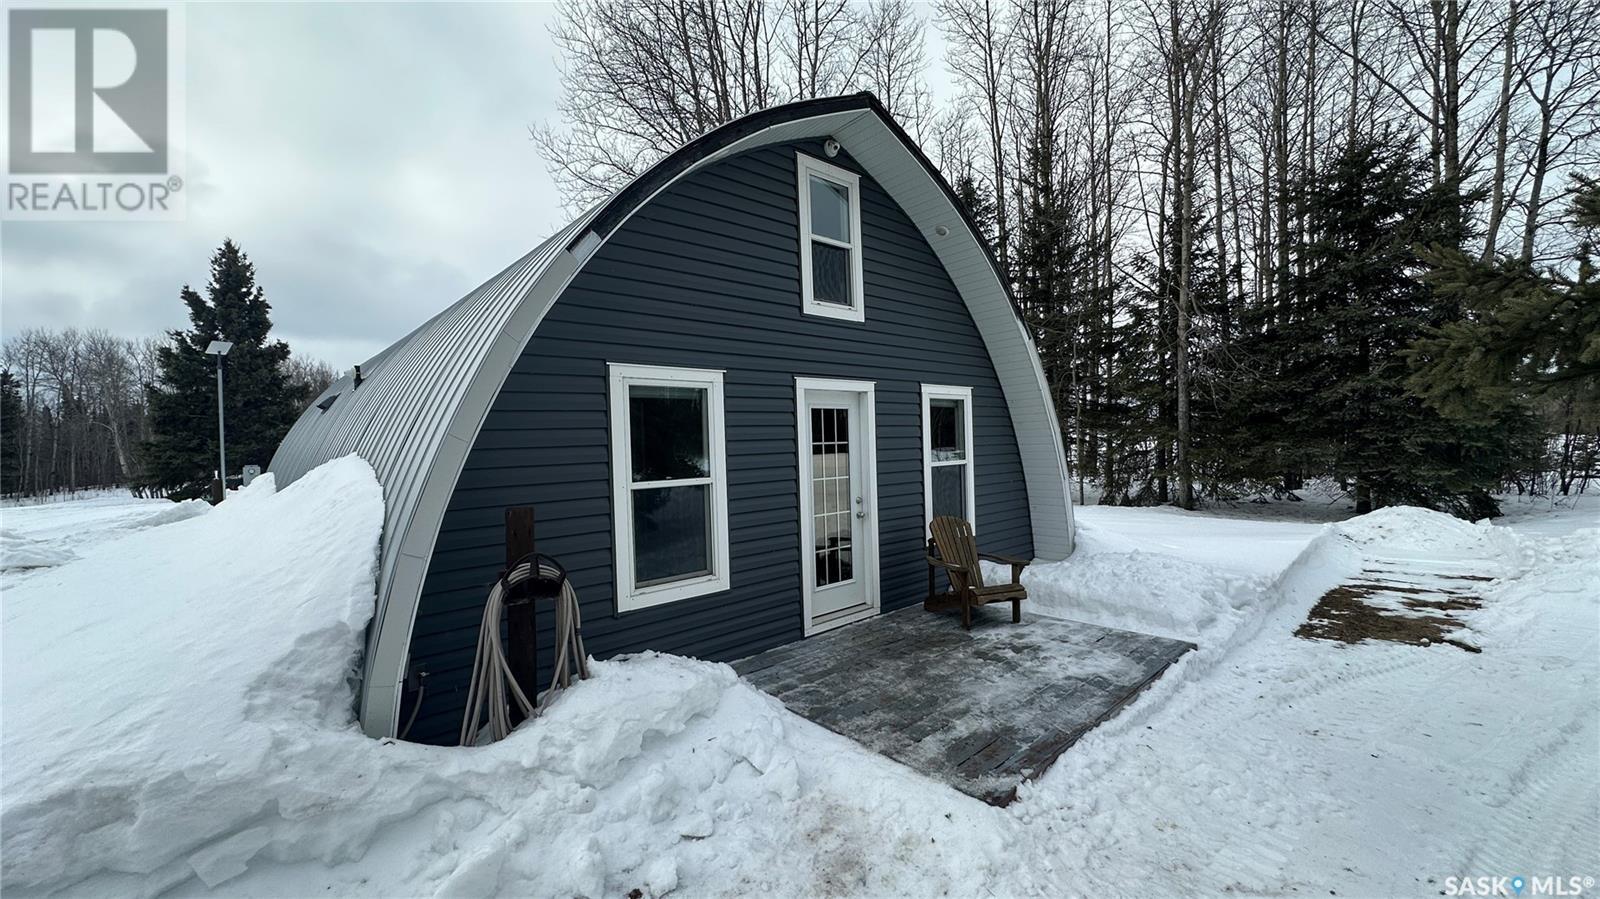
(979, 204)
(259, 403)
(1523, 333)
(1339, 400)
(10, 434)
(1044, 257)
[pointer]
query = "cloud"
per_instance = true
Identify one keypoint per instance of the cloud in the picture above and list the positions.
(373, 160)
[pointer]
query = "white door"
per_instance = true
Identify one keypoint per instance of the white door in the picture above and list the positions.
(838, 500)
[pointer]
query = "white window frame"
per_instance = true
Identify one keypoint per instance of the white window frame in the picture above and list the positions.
(807, 166)
(931, 392)
(630, 596)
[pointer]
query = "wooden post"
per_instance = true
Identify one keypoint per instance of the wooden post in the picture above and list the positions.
(522, 650)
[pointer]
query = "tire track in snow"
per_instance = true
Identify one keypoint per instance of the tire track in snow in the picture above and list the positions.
(1551, 823)
(1547, 819)
(1360, 698)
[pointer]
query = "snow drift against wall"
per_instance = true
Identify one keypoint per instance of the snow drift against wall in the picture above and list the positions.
(141, 682)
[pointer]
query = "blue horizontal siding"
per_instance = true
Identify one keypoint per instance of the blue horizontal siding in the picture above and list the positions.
(707, 276)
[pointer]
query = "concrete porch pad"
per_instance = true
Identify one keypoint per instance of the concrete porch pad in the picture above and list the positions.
(982, 710)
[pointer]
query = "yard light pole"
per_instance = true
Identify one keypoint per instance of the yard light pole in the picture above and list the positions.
(220, 348)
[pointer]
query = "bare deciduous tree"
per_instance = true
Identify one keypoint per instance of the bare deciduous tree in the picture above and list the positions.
(893, 61)
(82, 406)
(644, 78)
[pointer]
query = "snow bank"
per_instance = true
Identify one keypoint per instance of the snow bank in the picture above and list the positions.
(137, 678)
(177, 719)
(1559, 570)
(1165, 571)
(1200, 578)
(1398, 530)
(18, 553)
(175, 512)
(1272, 765)
(1141, 591)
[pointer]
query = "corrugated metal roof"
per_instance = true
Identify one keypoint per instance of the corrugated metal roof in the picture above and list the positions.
(395, 416)
(421, 401)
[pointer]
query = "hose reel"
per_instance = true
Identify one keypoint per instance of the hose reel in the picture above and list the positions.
(493, 687)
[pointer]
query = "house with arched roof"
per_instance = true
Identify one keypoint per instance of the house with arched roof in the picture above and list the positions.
(736, 392)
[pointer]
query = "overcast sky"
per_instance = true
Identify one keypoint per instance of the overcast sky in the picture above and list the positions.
(373, 161)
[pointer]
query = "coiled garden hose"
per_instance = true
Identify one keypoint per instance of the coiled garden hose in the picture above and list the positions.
(493, 688)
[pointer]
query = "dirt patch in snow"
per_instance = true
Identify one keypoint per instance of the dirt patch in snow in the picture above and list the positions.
(1352, 613)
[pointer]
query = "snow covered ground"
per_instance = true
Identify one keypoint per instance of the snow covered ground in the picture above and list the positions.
(50, 532)
(175, 715)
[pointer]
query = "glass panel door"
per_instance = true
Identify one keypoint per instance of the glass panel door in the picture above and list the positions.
(833, 455)
(832, 492)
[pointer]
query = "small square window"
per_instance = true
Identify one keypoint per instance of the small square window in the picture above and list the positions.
(947, 427)
(830, 240)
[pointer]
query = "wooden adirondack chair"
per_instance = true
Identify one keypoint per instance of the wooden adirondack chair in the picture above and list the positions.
(954, 549)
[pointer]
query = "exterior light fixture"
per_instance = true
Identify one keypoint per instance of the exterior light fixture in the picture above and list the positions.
(220, 348)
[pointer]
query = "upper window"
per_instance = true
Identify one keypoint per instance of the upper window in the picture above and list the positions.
(947, 473)
(830, 240)
(669, 484)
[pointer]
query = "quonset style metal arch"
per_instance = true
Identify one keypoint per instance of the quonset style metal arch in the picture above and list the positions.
(422, 401)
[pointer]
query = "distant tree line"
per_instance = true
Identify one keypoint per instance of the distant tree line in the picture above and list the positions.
(1255, 242)
(83, 409)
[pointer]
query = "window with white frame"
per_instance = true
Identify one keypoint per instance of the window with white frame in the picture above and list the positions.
(830, 240)
(947, 471)
(669, 477)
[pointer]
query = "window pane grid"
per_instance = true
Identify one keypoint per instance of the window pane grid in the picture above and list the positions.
(832, 513)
